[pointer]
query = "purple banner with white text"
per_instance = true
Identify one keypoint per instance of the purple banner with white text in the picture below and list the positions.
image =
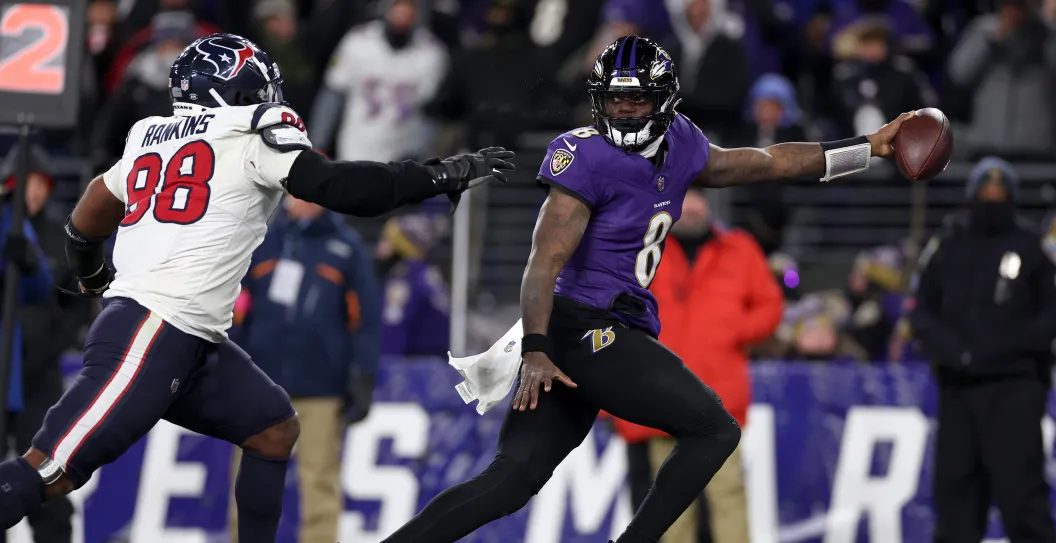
(835, 453)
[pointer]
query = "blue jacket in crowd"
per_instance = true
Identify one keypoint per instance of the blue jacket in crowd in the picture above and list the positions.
(310, 309)
(33, 288)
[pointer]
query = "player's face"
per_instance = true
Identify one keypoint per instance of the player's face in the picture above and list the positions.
(629, 105)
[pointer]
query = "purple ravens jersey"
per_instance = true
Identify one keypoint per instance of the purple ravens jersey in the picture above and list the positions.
(633, 205)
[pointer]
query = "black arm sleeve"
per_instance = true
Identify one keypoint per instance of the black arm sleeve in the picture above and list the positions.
(360, 188)
(84, 255)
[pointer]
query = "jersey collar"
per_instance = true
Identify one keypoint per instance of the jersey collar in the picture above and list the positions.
(183, 109)
(651, 149)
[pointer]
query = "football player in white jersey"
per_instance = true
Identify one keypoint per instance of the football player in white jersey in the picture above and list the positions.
(190, 200)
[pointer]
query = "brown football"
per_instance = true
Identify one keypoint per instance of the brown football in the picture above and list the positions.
(923, 145)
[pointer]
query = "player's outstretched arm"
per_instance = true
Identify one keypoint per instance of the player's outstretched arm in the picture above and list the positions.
(369, 189)
(94, 219)
(561, 223)
(742, 166)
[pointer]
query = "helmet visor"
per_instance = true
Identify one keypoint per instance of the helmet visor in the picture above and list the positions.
(628, 110)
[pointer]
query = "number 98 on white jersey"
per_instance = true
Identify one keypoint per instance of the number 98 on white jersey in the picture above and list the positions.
(199, 188)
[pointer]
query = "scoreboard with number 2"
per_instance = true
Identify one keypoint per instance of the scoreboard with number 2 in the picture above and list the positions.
(41, 48)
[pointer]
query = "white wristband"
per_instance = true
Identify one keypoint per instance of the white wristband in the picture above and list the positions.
(846, 157)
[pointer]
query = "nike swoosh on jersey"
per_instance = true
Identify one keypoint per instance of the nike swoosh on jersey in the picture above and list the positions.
(570, 146)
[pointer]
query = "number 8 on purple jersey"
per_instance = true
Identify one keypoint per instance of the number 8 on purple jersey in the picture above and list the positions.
(633, 206)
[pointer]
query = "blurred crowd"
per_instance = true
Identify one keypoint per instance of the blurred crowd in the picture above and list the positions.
(383, 78)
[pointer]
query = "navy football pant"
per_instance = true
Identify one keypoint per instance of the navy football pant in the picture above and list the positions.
(138, 370)
(631, 376)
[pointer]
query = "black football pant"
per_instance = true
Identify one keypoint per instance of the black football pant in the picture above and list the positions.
(989, 450)
(51, 523)
(628, 374)
(640, 480)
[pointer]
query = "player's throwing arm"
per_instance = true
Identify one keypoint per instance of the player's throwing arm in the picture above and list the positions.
(924, 153)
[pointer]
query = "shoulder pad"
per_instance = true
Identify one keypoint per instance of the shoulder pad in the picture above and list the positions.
(273, 114)
(285, 138)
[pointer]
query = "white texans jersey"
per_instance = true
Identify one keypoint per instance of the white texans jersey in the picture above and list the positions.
(199, 187)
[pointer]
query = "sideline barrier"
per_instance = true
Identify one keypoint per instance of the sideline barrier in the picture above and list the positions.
(835, 453)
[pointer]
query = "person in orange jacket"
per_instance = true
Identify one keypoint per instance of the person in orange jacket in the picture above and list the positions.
(717, 298)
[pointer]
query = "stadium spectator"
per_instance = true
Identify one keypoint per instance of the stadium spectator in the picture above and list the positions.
(985, 314)
(562, 32)
(382, 75)
(102, 46)
(1007, 61)
(311, 323)
(870, 303)
(773, 116)
(49, 524)
(646, 18)
(416, 316)
(278, 32)
(910, 34)
(172, 15)
(145, 91)
(870, 82)
(813, 329)
(707, 42)
(769, 35)
(717, 298)
(499, 87)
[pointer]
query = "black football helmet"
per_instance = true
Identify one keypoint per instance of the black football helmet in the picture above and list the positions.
(633, 67)
(224, 70)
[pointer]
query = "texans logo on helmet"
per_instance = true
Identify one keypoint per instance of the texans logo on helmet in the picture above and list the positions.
(228, 60)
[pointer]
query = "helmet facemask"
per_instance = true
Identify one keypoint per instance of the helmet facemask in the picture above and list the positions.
(632, 133)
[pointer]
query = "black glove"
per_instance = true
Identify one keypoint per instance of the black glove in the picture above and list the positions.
(19, 251)
(359, 397)
(98, 283)
(92, 287)
(457, 174)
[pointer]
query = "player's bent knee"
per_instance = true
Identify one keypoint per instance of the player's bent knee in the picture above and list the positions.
(277, 441)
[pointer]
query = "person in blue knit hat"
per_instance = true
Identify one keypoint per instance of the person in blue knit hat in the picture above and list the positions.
(984, 313)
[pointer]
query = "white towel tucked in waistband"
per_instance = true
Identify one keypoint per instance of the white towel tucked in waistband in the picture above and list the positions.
(489, 376)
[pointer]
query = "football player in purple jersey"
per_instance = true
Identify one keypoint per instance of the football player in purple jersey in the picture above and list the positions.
(589, 319)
